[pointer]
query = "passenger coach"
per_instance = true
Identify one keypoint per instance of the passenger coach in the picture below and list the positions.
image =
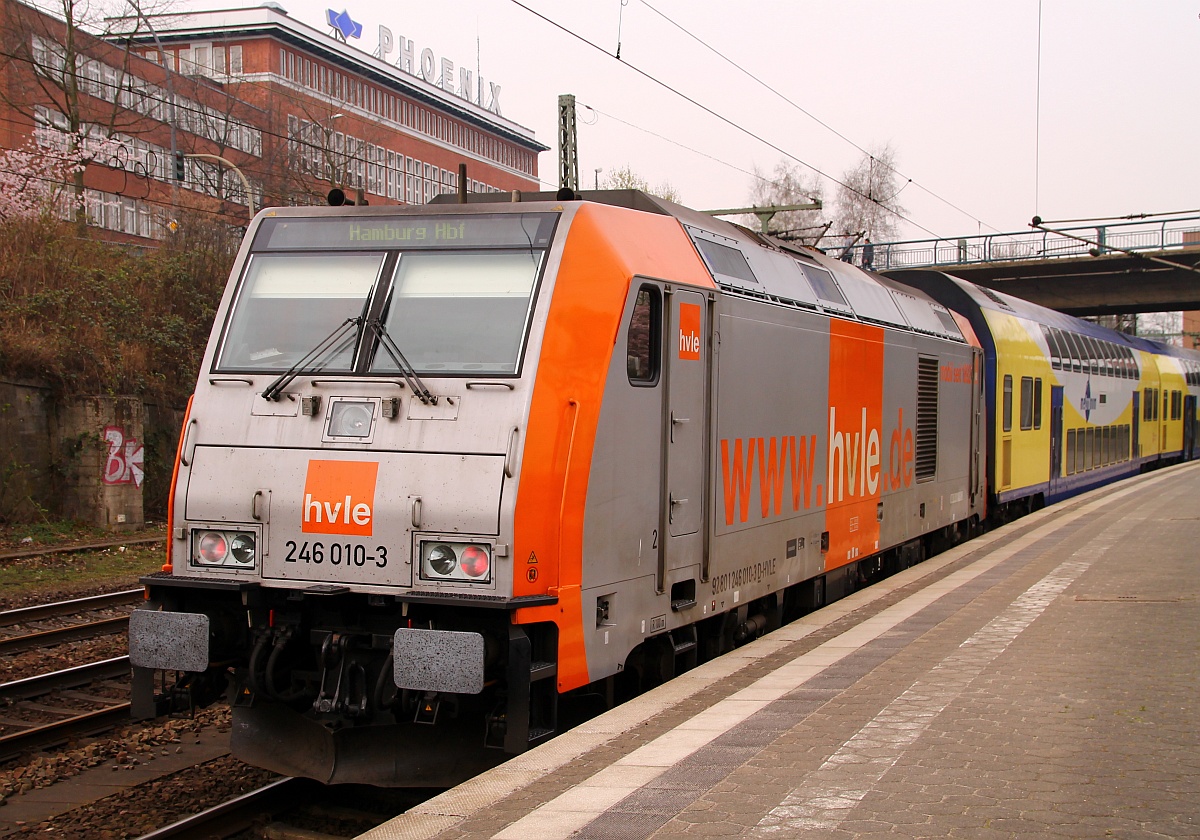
(1071, 405)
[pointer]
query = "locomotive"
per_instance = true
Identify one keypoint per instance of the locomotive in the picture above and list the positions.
(446, 465)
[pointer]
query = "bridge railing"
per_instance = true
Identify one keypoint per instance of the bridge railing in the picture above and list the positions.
(1027, 245)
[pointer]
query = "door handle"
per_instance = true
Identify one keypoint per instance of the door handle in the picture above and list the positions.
(677, 421)
(671, 510)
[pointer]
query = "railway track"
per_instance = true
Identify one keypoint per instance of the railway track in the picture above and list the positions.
(68, 721)
(53, 708)
(49, 551)
(60, 609)
(241, 813)
(41, 638)
(296, 809)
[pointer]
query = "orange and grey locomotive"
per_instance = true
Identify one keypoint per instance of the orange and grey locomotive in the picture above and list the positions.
(446, 465)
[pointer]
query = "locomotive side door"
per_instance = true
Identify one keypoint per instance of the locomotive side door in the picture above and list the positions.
(685, 429)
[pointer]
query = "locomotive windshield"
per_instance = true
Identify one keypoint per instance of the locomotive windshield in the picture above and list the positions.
(460, 312)
(453, 292)
(289, 301)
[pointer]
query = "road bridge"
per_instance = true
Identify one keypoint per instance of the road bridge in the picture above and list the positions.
(1095, 269)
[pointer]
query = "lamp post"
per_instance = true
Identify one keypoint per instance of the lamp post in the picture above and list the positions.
(327, 152)
(236, 171)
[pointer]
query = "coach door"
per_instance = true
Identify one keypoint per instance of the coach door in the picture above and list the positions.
(1137, 416)
(684, 428)
(1190, 427)
(1056, 436)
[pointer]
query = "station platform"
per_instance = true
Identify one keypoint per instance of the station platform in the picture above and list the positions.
(1040, 681)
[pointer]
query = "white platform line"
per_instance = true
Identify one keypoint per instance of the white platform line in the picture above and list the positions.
(831, 792)
(560, 817)
(571, 811)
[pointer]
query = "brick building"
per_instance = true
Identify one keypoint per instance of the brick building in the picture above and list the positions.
(248, 93)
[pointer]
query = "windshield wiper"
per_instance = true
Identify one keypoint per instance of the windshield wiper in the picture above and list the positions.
(406, 370)
(326, 344)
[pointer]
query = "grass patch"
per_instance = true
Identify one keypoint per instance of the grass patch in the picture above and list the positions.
(41, 579)
(52, 534)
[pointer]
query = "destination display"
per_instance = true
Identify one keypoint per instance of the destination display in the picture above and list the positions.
(508, 230)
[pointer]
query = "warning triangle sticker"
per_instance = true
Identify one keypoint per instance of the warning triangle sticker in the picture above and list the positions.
(532, 559)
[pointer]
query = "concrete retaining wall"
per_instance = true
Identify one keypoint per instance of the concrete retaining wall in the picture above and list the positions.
(104, 460)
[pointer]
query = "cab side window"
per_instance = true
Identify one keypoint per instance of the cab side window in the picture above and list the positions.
(644, 344)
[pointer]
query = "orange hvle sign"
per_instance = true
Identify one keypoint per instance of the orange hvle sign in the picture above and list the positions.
(339, 497)
(689, 331)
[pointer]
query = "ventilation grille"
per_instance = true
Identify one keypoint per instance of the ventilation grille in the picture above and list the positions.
(927, 418)
(995, 298)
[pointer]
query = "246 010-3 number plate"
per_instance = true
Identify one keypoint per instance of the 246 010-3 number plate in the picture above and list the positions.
(318, 553)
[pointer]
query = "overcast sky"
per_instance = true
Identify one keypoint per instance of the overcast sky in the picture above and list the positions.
(952, 85)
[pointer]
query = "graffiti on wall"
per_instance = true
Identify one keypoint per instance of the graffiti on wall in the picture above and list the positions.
(125, 463)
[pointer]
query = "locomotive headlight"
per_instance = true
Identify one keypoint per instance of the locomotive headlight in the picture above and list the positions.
(224, 549)
(242, 548)
(475, 561)
(212, 548)
(351, 419)
(442, 560)
(456, 562)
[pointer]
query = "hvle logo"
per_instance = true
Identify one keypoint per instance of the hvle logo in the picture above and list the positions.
(339, 497)
(689, 331)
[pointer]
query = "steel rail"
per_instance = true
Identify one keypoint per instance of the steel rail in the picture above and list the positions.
(39, 612)
(49, 551)
(59, 732)
(61, 635)
(237, 814)
(42, 684)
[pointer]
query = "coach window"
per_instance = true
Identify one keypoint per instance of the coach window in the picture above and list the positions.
(1075, 352)
(643, 344)
(1055, 348)
(1008, 407)
(1090, 352)
(1037, 403)
(1026, 402)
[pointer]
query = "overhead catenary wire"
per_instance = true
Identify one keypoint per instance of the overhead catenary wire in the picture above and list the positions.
(792, 103)
(717, 115)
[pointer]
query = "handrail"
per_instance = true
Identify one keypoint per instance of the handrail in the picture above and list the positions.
(1027, 245)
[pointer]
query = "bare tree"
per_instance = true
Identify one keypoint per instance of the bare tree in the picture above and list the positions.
(867, 200)
(59, 76)
(625, 178)
(785, 186)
